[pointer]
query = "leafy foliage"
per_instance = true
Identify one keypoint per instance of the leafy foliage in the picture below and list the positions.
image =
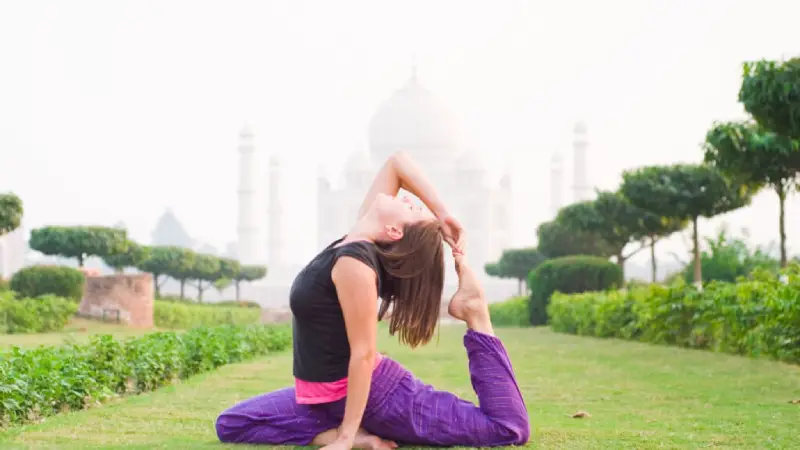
(727, 259)
(570, 274)
(515, 263)
(34, 315)
(48, 380)
(759, 316)
(167, 261)
(684, 192)
(183, 315)
(133, 256)
(61, 281)
(557, 240)
(11, 211)
(514, 312)
(249, 274)
(206, 269)
(747, 153)
(79, 242)
(771, 93)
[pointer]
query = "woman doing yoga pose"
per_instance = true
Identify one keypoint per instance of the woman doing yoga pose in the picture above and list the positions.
(348, 395)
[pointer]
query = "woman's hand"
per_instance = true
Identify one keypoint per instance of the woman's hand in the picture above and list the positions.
(453, 233)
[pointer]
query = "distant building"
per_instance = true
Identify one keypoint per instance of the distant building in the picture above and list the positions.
(13, 250)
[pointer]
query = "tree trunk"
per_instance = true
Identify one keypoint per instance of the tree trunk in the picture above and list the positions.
(80, 261)
(183, 285)
(156, 288)
(200, 289)
(653, 264)
(621, 264)
(519, 287)
(698, 269)
(236, 283)
(782, 222)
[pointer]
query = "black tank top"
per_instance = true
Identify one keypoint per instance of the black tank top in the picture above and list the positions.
(321, 349)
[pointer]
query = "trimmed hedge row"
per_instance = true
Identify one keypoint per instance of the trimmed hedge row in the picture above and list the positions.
(45, 381)
(167, 314)
(511, 313)
(757, 316)
(62, 281)
(569, 274)
(34, 315)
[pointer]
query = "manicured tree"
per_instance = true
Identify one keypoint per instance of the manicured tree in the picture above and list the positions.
(557, 240)
(771, 93)
(206, 269)
(133, 256)
(685, 192)
(167, 261)
(516, 263)
(10, 213)
(249, 274)
(79, 242)
(749, 154)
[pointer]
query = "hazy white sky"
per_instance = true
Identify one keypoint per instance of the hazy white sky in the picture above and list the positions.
(116, 110)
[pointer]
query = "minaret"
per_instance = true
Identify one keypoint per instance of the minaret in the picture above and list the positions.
(275, 217)
(556, 182)
(581, 189)
(248, 226)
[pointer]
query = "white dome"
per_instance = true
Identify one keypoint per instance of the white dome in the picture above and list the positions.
(413, 120)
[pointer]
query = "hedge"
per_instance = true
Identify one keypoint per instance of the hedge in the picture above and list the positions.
(168, 314)
(34, 315)
(61, 281)
(754, 317)
(48, 380)
(569, 275)
(4, 285)
(511, 313)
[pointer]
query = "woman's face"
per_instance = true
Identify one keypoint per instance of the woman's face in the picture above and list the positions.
(399, 211)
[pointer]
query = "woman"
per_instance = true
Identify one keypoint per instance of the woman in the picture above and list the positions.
(346, 394)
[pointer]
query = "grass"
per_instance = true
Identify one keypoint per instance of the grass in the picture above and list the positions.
(639, 396)
(77, 330)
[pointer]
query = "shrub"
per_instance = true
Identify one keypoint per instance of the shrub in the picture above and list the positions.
(167, 314)
(511, 313)
(61, 281)
(4, 285)
(239, 303)
(45, 381)
(757, 316)
(569, 274)
(34, 315)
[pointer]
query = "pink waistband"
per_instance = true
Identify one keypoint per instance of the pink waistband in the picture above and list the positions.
(313, 393)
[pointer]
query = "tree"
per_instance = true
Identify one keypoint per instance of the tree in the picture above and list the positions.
(685, 192)
(556, 240)
(751, 155)
(167, 261)
(205, 268)
(249, 274)
(770, 91)
(612, 217)
(10, 213)
(133, 256)
(79, 242)
(516, 263)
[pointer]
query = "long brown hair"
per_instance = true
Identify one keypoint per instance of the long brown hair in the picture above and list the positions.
(413, 282)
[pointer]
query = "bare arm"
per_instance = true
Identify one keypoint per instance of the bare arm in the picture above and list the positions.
(400, 171)
(358, 295)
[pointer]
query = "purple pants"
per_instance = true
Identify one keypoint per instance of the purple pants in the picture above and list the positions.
(400, 408)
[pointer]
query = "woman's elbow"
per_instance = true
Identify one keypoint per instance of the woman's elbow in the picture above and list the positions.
(364, 356)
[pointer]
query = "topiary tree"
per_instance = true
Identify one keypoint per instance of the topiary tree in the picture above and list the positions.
(249, 274)
(515, 263)
(62, 281)
(10, 213)
(79, 242)
(165, 262)
(206, 269)
(569, 275)
(746, 152)
(557, 240)
(771, 93)
(685, 192)
(133, 256)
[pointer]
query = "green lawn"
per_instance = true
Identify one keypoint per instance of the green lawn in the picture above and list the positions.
(77, 330)
(639, 396)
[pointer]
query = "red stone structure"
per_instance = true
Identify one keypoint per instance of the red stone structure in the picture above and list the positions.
(124, 298)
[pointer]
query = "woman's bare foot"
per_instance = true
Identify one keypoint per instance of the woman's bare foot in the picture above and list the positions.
(469, 302)
(368, 441)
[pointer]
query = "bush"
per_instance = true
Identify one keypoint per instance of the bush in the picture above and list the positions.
(226, 303)
(511, 313)
(167, 314)
(569, 274)
(4, 285)
(45, 381)
(34, 315)
(61, 281)
(758, 316)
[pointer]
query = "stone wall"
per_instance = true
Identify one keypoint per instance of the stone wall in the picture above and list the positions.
(129, 297)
